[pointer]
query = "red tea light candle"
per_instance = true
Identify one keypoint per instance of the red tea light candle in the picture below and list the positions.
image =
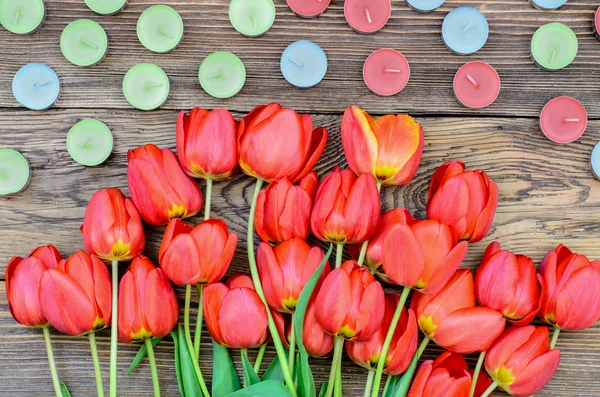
(386, 72)
(563, 120)
(308, 8)
(476, 85)
(367, 16)
(597, 23)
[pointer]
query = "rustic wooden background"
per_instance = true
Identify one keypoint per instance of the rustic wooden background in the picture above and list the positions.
(547, 192)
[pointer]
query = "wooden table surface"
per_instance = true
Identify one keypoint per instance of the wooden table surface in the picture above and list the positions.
(547, 192)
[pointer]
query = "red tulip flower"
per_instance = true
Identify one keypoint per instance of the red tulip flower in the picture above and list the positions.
(347, 209)
(23, 279)
(207, 143)
(234, 314)
(276, 142)
(451, 319)
(570, 297)
(447, 376)
(159, 188)
(465, 200)
(76, 296)
(148, 306)
(350, 303)
(283, 209)
(389, 148)
(422, 255)
(112, 228)
(403, 345)
(202, 254)
(521, 360)
(507, 283)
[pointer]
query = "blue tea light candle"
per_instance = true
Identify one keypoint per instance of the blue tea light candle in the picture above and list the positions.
(36, 86)
(304, 64)
(424, 5)
(595, 161)
(547, 5)
(465, 30)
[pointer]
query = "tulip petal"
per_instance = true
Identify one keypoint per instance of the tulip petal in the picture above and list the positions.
(331, 305)
(102, 289)
(161, 308)
(259, 216)
(505, 345)
(318, 140)
(242, 309)
(451, 204)
(270, 275)
(443, 172)
(459, 388)
(181, 261)
(363, 209)
(174, 229)
(325, 202)
(536, 375)
(359, 141)
(402, 256)
(23, 278)
(417, 388)
(497, 279)
(131, 320)
(536, 345)
(213, 301)
(405, 347)
(578, 304)
(486, 217)
(370, 311)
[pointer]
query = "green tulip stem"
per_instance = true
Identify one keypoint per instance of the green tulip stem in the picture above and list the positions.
(114, 335)
(387, 385)
(244, 353)
(490, 389)
(209, 183)
(388, 340)
(555, 335)
(369, 384)
(338, 348)
(410, 372)
(337, 390)
(283, 360)
(188, 340)
(96, 361)
(476, 373)
(152, 359)
(339, 253)
(198, 334)
(259, 357)
(365, 245)
(292, 355)
(51, 363)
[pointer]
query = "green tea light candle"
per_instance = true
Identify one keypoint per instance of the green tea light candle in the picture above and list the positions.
(252, 18)
(106, 7)
(14, 171)
(84, 42)
(222, 74)
(160, 29)
(146, 86)
(553, 46)
(22, 16)
(90, 142)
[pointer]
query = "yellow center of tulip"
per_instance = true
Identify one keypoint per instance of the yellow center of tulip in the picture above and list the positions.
(384, 172)
(427, 326)
(177, 211)
(420, 284)
(120, 250)
(290, 304)
(335, 238)
(346, 333)
(143, 334)
(99, 323)
(503, 376)
(550, 319)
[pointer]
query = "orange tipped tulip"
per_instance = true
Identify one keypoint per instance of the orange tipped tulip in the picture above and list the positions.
(148, 306)
(507, 282)
(350, 303)
(422, 255)
(283, 209)
(451, 319)
(465, 200)
(112, 228)
(447, 376)
(76, 296)
(159, 188)
(23, 279)
(521, 360)
(276, 142)
(347, 208)
(403, 345)
(571, 290)
(202, 254)
(207, 143)
(234, 314)
(389, 148)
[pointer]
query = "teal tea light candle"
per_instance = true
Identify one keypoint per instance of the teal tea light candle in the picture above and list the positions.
(84, 42)
(595, 161)
(36, 86)
(252, 18)
(424, 5)
(22, 16)
(106, 7)
(90, 142)
(160, 29)
(547, 5)
(465, 30)
(14, 172)
(222, 74)
(146, 86)
(304, 64)
(553, 46)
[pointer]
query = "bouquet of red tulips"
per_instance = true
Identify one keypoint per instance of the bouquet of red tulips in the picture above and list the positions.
(293, 298)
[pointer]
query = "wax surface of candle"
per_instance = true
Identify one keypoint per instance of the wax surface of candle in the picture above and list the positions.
(303, 64)
(146, 86)
(160, 28)
(597, 23)
(554, 46)
(424, 5)
(547, 4)
(90, 142)
(22, 16)
(36, 86)
(222, 74)
(595, 161)
(367, 16)
(308, 8)
(252, 18)
(106, 7)
(465, 30)
(476, 85)
(84, 42)
(14, 171)
(563, 119)
(386, 72)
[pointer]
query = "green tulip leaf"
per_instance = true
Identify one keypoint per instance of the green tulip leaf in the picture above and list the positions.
(323, 389)
(403, 384)
(270, 388)
(250, 377)
(392, 386)
(191, 386)
(65, 390)
(225, 379)
(178, 364)
(141, 354)
(274, 372)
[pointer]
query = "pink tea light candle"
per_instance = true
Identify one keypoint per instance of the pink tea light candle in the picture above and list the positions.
(476, 85)
(386, 72)
(308, 8)
(597, 23)
(367, 16)
(563, 120)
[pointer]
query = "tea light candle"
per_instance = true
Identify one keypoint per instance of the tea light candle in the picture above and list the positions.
(14, 172)
(386, 72)
(597, 23)
(308, 8)
(563, 119)
(465, 30)
(303, 64)
(367, 16)
(90, 142)
(547, 5)
(84, 42)
(106, 7)
(36, 86)
(222, 74)
(22, 16)
(146, 86)
(595, 161)
(424, 5)
(476, 85)
(160, 29)
(553, 46)
(252, 18)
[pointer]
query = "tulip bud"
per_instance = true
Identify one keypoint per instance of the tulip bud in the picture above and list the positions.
(159, 188)
(447, 376)
(465, 200)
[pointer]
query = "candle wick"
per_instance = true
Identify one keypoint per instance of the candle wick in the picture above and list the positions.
(466, 29)
(89, 44)
(17, 16)
(85, 143)
(254, 20)
(368, 14)
(571, 120)
(553, 56)
(42, 83)
(215, 74)
(164, 32)
(473, 81)
(150, 86)
(388, 70)
(296, 62)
